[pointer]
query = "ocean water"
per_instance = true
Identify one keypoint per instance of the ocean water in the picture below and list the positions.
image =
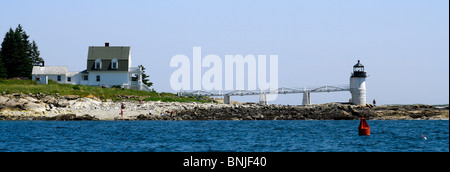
(228, 136)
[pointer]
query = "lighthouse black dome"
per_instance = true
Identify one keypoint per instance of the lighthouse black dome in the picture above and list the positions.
(358, 70)
(358, 64)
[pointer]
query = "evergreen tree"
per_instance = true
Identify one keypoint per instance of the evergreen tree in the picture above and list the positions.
(25, 66)
(16, 53)
(2, 68)
(144, 77)
(8, 51)
(35, 54)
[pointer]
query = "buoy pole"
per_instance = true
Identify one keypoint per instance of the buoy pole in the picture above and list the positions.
(364, 129)
(425, 138)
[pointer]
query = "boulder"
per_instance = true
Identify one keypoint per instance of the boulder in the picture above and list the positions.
(143, 117)
(71, 97)
(63, 117)
(73, 117)
(87, 117)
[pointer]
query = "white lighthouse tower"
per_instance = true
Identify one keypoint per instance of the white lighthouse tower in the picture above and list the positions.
(358, 85)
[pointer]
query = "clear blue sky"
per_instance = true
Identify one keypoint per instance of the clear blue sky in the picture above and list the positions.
(404, 44)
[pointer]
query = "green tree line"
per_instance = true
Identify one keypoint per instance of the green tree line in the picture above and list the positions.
(18, 54)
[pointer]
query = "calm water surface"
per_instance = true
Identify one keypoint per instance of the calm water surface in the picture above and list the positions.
(240, 136)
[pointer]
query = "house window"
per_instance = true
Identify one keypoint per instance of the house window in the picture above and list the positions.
(98, 77)
(134, 77)
(38, 78)
(85, 77)
(69, 79)
(114, 64)
(98, 64)
(58, 78)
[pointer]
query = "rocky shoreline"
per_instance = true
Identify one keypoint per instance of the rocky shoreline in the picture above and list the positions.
(19, 106)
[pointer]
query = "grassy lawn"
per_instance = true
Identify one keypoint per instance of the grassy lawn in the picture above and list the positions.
(29, 86)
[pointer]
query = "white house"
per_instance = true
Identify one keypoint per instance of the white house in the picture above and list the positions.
(106, 65)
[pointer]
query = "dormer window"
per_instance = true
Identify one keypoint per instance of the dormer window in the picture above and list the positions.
(98, 64)
(114, 64)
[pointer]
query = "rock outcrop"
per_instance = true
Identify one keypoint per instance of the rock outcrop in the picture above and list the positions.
(48, 107)
(331, 111)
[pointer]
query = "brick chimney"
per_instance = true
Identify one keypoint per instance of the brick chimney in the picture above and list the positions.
(106, 44)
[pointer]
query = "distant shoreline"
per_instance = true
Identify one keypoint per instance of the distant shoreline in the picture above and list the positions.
(26, 107)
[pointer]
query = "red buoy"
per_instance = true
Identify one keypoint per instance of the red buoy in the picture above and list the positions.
(364, 129)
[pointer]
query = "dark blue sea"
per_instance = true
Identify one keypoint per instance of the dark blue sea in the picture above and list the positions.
(228, 136)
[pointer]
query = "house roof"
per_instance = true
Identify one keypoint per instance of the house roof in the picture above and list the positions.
(109, 53)
(70, 74)
(49, 70)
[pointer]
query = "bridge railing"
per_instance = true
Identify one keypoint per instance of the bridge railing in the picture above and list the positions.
(282, 90)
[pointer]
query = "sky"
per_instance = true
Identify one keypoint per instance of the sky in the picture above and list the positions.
(403, 44)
